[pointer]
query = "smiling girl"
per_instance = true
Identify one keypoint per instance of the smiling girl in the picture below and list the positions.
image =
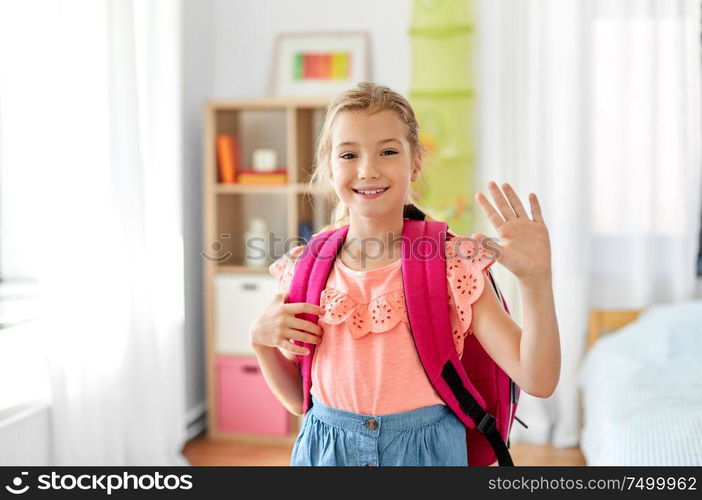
(372, 401)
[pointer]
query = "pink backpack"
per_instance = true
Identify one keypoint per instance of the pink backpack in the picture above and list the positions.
(478, 391)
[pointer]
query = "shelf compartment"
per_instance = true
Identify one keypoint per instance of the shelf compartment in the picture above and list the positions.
(233, 213)
(314, 210)
(239, 299)
(240, 383)
(253, 129)
(307, 125)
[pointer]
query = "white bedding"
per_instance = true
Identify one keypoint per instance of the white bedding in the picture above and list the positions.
(642, 390)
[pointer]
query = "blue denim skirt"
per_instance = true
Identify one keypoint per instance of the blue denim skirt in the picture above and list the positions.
(431, 435)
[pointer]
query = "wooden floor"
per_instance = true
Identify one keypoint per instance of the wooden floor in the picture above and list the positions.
(200, 451)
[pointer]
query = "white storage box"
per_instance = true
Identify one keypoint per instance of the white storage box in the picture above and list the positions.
(239, 300)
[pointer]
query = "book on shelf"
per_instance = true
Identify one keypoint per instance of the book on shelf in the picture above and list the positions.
(253, 177)
(227, 158)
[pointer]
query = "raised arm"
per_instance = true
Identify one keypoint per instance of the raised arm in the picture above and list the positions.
(530, 355)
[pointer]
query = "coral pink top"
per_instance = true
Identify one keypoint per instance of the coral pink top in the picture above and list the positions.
(367, 361)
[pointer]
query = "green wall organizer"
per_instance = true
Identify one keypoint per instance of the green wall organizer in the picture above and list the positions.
(442, 94)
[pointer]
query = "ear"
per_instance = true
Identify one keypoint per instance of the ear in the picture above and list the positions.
(416, 167)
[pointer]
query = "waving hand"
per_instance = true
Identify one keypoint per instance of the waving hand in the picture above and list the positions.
(524, 246)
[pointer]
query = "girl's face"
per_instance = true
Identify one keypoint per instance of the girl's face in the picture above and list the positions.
(370, 152)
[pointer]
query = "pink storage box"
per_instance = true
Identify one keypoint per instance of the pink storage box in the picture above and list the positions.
(245, 403)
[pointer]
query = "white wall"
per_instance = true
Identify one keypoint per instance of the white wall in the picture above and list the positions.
(227, 53)
(245, 32)
(198, 74)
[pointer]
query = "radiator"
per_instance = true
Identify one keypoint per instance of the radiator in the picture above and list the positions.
(25, 434)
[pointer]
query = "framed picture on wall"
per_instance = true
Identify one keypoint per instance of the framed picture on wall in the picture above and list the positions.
(319, 63)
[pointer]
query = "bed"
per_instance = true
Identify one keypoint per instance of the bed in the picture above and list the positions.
(640, 385)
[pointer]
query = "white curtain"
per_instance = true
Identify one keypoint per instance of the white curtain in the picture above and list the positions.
(594, 105)
(645, 151)
(103, 137)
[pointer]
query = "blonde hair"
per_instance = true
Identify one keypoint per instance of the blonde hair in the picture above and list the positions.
(373, 98)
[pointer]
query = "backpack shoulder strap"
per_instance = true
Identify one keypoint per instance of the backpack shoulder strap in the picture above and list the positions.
(426, 295)
(309, 279)
(473, 408)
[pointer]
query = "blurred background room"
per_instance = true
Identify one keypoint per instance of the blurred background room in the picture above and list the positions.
(143, 143)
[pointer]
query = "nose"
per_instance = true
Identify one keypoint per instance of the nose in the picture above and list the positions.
(367, 169)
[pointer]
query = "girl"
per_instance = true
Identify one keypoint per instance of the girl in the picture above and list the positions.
(372, 401)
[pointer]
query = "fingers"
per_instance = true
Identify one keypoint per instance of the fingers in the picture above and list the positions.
(495, 219)
(501, 201)
(304, 307)
(514, 200)
(509, 207)
(291, 333)
(535, 208)
(303, 324)
(295, 349)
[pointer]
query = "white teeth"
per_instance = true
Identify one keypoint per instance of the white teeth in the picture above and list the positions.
(371, 192)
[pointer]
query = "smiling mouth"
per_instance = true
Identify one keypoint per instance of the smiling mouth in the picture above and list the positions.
(369, 191)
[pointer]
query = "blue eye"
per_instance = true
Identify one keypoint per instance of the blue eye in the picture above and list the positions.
(390, 151)
(342, 156)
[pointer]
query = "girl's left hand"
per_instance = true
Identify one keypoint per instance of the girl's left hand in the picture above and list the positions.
(524, 246)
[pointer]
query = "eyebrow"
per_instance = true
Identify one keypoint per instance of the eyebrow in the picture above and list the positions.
(349, 143)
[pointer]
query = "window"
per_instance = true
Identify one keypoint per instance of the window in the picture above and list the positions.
(638, 128)
(20, 148)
